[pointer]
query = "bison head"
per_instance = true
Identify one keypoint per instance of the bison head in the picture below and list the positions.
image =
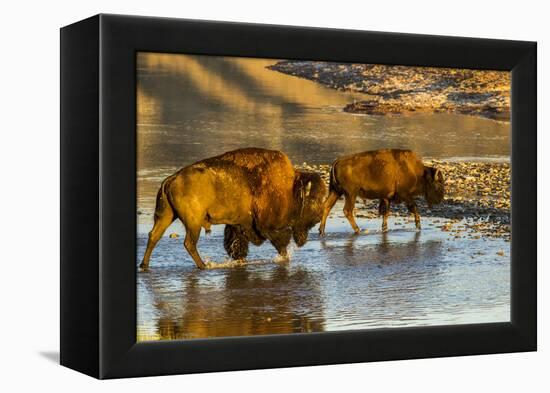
(309, 195)
(434, 185)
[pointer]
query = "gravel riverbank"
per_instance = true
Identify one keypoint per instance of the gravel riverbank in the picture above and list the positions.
(403, 89)
(477, 200)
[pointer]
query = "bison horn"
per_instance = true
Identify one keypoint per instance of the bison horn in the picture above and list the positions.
(308, 188)
(439, 175)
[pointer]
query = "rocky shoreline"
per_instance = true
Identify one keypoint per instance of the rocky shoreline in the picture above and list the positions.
(477, 200)
(404, 89)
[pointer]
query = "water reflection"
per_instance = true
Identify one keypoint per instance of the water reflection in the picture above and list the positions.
(237, 302)
(400, 279)
(384, 246)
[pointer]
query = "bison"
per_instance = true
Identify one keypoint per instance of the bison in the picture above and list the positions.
(255, 192)
(390, 175)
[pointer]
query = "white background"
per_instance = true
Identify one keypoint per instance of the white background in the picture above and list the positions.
(29, 194)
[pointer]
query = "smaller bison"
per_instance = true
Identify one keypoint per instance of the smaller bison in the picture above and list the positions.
(388, 175)
(255, 192)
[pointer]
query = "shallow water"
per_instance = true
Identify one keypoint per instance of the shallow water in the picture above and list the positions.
(342, 282)
(193, 107)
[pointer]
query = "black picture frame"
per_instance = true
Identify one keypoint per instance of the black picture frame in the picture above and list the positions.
(98, 196)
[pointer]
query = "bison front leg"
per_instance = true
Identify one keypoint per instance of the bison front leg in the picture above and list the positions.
(349, 205)
(235, 242)
(192, 233)
(414, 210)
(384, 211)
(329, 203)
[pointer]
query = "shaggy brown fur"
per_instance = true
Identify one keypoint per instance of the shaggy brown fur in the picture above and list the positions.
(389, 175)
(253, 191)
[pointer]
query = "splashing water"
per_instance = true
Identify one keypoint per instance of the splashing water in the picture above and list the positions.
(226, 264)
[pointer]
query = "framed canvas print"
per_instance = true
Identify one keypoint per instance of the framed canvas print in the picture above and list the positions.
(239, 196)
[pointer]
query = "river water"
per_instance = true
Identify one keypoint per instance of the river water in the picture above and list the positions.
(193, 107)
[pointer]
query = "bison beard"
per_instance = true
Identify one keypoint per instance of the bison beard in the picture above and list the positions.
(300, 236)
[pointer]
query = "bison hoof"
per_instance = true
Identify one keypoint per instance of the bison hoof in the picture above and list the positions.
(143, 268)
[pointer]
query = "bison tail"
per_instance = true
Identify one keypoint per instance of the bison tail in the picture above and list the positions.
(333, 182)
(163, 203)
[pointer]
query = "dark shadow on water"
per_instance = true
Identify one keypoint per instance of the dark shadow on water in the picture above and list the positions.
(397, 247)
(384, 246)
(52, 356)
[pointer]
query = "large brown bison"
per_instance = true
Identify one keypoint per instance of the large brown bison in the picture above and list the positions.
(389, 175)
(255, 192)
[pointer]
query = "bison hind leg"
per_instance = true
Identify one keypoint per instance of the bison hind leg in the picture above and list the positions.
(349, 205)
(235, 242)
